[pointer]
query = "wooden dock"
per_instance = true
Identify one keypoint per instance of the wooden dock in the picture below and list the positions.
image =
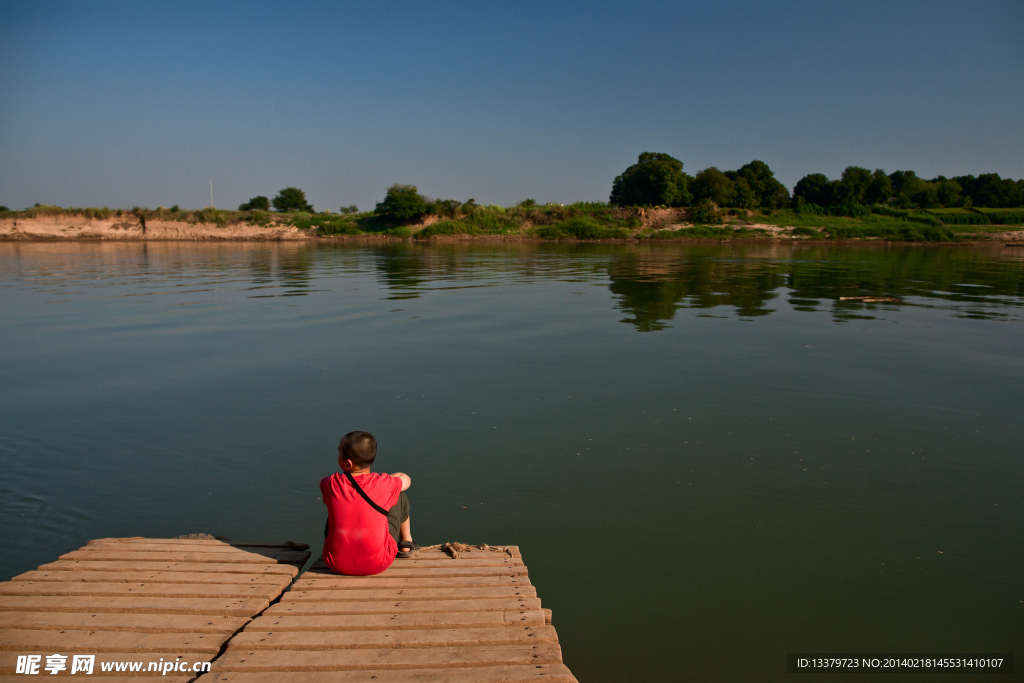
(140, 600)
(434, 618)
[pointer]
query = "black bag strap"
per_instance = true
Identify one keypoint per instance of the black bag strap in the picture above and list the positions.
(362, 493)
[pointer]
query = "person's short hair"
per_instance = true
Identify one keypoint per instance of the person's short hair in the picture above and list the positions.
(359, 447)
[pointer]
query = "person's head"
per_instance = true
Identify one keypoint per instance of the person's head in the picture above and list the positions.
(358, 449)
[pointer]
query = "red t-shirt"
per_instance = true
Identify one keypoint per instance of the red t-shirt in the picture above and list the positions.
(358, 542)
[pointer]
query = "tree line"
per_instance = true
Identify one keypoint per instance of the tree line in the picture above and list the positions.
(658, 179)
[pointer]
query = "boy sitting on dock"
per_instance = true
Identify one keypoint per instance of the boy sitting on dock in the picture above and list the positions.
(367, 514)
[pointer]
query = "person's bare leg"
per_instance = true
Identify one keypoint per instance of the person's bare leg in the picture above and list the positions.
(405, 531)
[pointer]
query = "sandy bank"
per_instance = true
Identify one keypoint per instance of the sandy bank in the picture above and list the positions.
(129, 227)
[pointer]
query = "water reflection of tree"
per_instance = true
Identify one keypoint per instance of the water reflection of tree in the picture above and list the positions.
(403, 270)
(295, 270)
(971, 277)
(653, 285)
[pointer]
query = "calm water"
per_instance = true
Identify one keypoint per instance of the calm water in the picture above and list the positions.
(707, 459)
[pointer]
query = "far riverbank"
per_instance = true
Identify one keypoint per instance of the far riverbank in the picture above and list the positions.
(650, 225)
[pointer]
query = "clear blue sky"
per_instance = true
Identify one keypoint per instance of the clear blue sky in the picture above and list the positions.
(142, 103)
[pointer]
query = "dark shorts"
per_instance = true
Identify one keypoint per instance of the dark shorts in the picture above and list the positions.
(396, 515)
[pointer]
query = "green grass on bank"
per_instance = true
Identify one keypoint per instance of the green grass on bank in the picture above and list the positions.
(596, 220)
(713, 232)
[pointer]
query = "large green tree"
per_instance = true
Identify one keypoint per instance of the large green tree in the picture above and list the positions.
(770, 193)
(910, 190)
(402, 203)
(854, 185)
(948, 191)
(291, 199)
(744, 195)
(655, 179)
(813, 188)
(713, 185)
(990, 190)
(880, 189)
(257, 203)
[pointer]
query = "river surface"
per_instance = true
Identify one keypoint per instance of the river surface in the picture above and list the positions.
(706, 457)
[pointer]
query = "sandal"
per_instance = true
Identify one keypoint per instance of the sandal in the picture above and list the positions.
(407, 548)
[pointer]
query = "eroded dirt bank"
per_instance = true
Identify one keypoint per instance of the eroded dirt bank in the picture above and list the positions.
(130, 227)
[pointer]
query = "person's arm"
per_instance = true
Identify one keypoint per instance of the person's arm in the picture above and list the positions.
(406, 480)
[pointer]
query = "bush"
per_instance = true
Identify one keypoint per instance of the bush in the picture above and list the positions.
(849, 211)
(1002, 216)
(3, 208)
(291, 199)
(491, 222)
(44, 210)
(207, 215)
(582, 228)
(326, 224)
(402, 203)
(448, 228)
(339, 228)
(697, 232)
(955, 217)
(444, 207)
(901, 233)
(905, 214)
(807, 209)
(257, 203)
(260, 218)
(706, 212)
(804, 231)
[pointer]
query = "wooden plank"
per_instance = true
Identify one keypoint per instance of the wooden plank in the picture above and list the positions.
(205, 567)
(30, 640)
(507, 550)
(438, 556)
(139, 623)
(237, 659)
(108, 679)
(262, 544)
(184, 590)
(277, 580)
(147, 546)
(552, 673)
(484, 559)
(197, 547)
(451, 570)
(165, 541)
(188, 541)
(133, 605)
(279, 623)
(316, 607)
(404, 563)
(125, 555)
(464, 593)
(339, 640)
(360, 582)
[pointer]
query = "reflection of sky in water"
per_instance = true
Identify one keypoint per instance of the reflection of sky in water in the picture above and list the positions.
(790, 481)
(649, 284)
